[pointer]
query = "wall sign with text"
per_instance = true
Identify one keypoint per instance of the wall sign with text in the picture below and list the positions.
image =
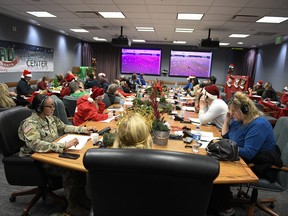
(16, 57)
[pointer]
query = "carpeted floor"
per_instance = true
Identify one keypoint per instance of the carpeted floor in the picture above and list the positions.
(47, 207)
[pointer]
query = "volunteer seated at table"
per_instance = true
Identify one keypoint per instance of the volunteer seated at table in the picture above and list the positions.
(6, 100)
(133, 132)
(90, 108)
(39, 131)
(23, 86)
(284, 98)
(212, 109)
(254, 136)
(258, 88)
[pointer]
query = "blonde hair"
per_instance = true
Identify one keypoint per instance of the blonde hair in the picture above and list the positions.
(5, 99)
(239, 100)
(116, 81)
(133, 132)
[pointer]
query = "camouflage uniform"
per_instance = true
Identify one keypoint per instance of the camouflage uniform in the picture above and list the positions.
(39, 135)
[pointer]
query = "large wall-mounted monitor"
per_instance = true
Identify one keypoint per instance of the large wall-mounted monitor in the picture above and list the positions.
(190, 63)
(146, 61)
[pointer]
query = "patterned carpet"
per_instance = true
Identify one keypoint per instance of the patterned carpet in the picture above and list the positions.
(47, 207)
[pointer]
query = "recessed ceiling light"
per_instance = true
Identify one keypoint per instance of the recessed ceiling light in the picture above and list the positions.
(189, 16)
(179, 42)
(239, 35)
(240, 43)
(138, 40)
(224, 44)
(40, 14)
(112, 15)
(99, 39)
(79, 30)
(184, 30)
(145, 29)
(270, 19)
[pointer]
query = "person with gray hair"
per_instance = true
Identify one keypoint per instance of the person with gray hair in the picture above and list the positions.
(112, 96)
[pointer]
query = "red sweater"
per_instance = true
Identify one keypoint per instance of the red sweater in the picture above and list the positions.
(284, 98)
(87, 111)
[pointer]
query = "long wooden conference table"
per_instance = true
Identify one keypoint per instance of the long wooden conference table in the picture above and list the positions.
(230, 172)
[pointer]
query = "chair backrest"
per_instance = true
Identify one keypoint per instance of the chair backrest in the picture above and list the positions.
(70, 104)
(149, 182)
(280, 133)
(9, 123)
(60, 109)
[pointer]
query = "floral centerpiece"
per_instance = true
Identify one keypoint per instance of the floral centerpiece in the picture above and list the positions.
(152, 108)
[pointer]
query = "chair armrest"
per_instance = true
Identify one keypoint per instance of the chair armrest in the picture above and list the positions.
(273, 167)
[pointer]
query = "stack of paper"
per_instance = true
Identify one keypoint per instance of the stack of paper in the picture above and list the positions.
(81, 138)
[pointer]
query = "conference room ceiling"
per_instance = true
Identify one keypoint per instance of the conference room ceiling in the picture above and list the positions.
(223, 17)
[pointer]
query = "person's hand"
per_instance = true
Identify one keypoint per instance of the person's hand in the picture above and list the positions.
(89, 130)
(228, 116)
(202, 101)
(73, 142)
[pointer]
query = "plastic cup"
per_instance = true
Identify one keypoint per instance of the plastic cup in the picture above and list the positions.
(195, 147)
(94, 137)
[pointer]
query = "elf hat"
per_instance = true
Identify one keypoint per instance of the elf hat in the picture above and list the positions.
(26, 73)
(212, 92)
(231, 66)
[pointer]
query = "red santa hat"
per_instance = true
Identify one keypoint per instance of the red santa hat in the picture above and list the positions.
(231, 66)
(190, 77)
(96, 91)
(26, 73)
(101, 75)
(260, 82)
(212, 91)
(70, 77)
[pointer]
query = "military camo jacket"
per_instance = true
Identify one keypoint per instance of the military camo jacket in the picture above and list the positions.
(39, 134)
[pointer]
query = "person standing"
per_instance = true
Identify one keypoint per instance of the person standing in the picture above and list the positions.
(39, 132)
(23, 86)
(212, 109)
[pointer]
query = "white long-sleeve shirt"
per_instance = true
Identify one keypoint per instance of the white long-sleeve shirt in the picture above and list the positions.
(214, 113)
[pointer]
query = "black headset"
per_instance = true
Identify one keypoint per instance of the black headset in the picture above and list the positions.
(244, 108)
(40, 108)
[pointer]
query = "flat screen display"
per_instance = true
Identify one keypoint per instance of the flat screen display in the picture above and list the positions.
(146, 61)
(189, 63)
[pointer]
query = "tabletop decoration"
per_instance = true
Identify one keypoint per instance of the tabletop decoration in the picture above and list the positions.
(152, 108)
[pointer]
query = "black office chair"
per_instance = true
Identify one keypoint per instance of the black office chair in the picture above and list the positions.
(149, 182)
(23, 171)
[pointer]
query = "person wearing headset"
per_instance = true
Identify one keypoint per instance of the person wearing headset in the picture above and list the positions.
(255, 139)
(39, 131)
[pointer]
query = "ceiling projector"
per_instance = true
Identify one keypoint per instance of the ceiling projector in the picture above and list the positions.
(209, 43)
(121, 41)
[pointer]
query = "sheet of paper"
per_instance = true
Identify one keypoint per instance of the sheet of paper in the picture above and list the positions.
(195, 120)
(116, 109)
(108, 120)
(188, 108)
(129, 98)
(81, 138)
(128, 103)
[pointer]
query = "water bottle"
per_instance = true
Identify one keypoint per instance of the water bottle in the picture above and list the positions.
(197, 134)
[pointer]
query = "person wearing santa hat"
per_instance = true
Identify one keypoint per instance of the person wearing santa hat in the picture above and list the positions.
(284, 98)
(231, 69)
(90, 108)
(23, 87)
(212, 109)
(258, 88)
